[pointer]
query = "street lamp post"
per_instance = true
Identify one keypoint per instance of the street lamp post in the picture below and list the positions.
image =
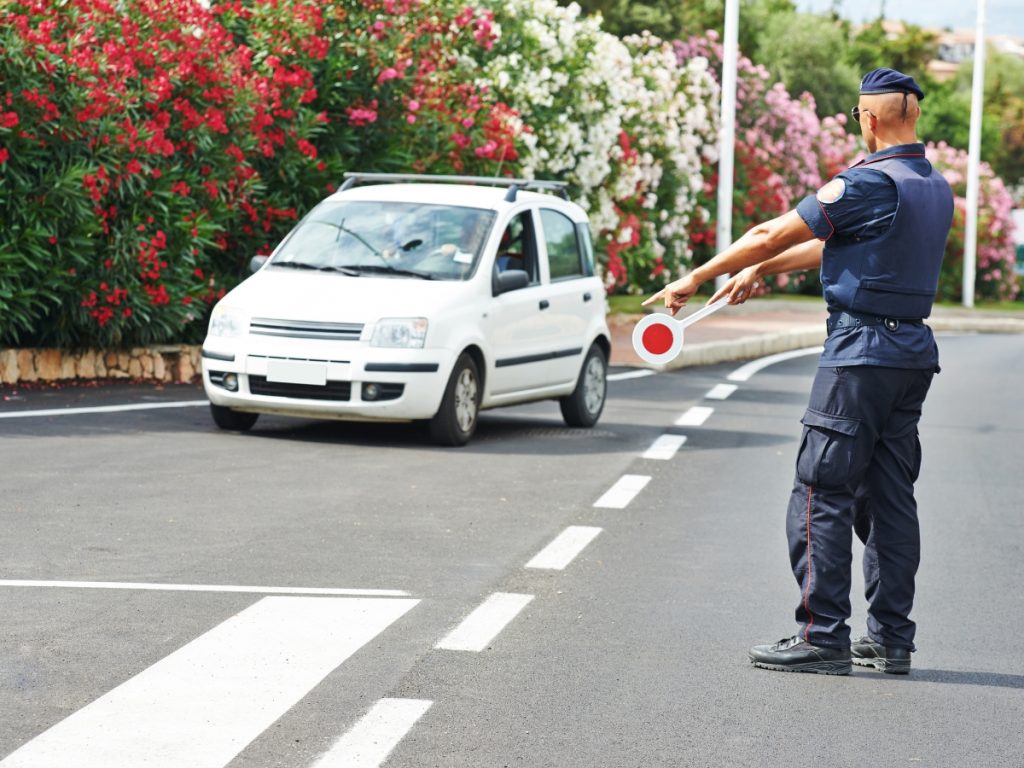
(973, 159)
(723, 231)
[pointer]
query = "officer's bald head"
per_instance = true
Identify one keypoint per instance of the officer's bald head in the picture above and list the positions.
(892, 109)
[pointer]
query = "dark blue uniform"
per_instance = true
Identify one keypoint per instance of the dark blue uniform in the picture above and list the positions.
(884, 222)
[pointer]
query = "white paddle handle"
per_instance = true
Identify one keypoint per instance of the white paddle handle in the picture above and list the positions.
(700, 314)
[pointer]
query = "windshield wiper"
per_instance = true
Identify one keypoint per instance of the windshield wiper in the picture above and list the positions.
(321, 268)
(388, 269)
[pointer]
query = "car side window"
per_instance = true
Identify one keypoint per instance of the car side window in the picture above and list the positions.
(518, 247)
(564, 259)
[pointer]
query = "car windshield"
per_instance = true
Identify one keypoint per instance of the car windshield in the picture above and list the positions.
(402, 240)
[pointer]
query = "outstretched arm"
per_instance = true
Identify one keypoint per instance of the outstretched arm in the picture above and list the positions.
(759, 244)
(798, 258)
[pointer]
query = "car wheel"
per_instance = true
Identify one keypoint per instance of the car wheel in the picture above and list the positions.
(583, 407)
(235, 421)
(455, 421)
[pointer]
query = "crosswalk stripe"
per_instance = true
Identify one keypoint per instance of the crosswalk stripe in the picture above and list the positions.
(369, 742)
(201, 705)
(478, 629)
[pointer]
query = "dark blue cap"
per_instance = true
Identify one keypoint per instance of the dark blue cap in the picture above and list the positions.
(884, 80)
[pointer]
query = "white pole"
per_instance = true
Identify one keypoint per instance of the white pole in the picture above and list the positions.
(723, 233)
(974, 158)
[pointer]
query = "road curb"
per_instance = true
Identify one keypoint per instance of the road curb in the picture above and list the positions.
(811, 335)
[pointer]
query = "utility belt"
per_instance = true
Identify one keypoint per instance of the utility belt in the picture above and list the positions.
(842, 320)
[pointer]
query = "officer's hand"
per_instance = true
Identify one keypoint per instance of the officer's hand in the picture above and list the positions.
(675, 294)
(739, 287)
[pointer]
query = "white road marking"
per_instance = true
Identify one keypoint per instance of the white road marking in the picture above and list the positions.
(481, 626)
(744, 373)
(623, 492)
(665, 447)
(720, 391)
(201, 706)
(103, 409)
(371, 740)
(560, 552)
(638, 374)
(695, 416)
(204, 588)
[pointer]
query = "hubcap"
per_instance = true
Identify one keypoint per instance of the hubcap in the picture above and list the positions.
(465, 399)
(593, 385)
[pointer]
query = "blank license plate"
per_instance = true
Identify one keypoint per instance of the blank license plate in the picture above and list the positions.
(297, 372)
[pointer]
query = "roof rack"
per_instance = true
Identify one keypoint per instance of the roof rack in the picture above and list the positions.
(514, 185)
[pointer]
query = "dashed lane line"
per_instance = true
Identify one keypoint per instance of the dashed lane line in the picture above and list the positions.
(478, 629)
(624, 491)
(695, 416)
(565, 547)
(665, 447)
(204, 703)
(720, 392)
(369, 742)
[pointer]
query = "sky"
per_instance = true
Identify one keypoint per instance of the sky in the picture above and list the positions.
(1001, 16)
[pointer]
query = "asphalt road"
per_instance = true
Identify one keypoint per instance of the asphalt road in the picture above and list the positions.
(203, 649)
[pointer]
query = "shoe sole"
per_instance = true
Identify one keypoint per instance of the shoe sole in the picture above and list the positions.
(896, 667)
(816, 667)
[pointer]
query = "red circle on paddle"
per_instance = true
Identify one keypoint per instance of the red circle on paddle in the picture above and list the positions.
(657, 339)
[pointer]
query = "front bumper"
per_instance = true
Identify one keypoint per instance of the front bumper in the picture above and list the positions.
(321, 379)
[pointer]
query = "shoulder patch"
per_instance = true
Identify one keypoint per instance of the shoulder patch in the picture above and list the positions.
(832, 192)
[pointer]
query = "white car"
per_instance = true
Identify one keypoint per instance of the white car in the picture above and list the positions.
(417, 297)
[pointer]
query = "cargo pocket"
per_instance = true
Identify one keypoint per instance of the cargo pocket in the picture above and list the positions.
(829, 454)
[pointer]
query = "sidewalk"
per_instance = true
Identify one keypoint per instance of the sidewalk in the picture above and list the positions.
(768, 326)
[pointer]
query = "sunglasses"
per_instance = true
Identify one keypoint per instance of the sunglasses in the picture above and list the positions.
(856, 111)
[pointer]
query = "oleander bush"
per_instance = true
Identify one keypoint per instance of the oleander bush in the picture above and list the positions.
(149, 148)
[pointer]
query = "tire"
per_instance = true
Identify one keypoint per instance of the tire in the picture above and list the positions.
(233, 421)
(583, 407)
(456, 419)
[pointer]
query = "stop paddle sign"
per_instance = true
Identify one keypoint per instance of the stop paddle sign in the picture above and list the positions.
(658, 338)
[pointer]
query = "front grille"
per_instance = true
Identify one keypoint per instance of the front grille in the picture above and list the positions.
(333, 390)
(301, 329)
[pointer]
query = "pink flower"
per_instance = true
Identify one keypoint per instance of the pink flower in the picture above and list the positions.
(414, 106)
(388, 74)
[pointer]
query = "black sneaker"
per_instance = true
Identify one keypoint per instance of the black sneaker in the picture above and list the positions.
(866, 652)
(794, 655)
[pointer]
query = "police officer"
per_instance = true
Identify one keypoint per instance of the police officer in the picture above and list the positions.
(877, 231)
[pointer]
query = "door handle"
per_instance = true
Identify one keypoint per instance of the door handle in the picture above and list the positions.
(587, 297)
(544, 304)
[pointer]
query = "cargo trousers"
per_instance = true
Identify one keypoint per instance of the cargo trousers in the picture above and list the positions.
(859, 458)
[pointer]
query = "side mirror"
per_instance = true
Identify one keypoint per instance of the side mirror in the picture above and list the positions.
(256, 263)
(510, 280)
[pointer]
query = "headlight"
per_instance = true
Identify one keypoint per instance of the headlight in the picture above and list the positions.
(403, 332)
(225, 321)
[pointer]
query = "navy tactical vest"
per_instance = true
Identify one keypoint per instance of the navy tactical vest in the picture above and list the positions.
(895, 275)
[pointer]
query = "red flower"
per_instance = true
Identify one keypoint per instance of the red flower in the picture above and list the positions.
(4, 154)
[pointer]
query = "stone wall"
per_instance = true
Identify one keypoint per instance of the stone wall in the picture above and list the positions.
(165, 363)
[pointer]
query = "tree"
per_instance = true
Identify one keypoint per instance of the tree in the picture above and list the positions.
(806, 53)
(671, 19)
(910, 52)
